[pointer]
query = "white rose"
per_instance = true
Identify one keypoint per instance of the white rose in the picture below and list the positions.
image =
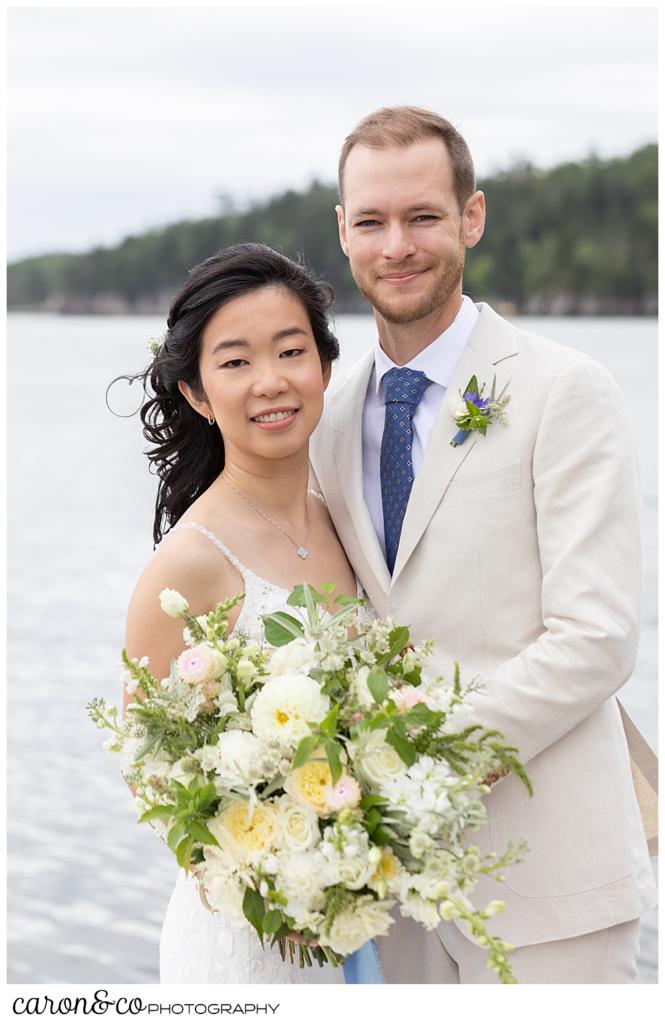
(354, 872)
(300, 825)
(376, 761)
(352, 928)
(457, 406)
(297, 656)
(173, 603)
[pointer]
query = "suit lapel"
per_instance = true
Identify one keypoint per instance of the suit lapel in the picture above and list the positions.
(492, 341)
(347, 426)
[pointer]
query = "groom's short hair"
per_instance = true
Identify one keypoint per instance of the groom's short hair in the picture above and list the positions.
(402, 126)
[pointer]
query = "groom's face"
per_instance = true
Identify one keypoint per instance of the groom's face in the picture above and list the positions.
(402, 228)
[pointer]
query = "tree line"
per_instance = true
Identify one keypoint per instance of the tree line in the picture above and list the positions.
(577, 238)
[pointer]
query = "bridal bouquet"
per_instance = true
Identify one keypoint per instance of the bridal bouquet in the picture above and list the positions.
(312, 783)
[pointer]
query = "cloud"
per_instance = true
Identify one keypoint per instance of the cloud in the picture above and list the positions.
(155, 110)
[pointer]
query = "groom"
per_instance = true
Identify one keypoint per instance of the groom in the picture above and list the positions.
(517, 551)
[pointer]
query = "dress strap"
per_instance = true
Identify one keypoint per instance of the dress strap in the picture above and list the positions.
(315, 494)
(242, 569)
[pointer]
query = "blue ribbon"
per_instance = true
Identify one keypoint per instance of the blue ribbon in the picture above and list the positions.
(460, 437)
(363, 967)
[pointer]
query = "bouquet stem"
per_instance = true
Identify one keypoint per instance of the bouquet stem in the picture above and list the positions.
(322, 954)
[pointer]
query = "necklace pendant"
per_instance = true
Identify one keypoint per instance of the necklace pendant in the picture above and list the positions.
(302, 552)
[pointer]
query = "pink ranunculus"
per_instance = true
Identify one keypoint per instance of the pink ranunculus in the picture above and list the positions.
(346, 793)
(407, 697)
(197, 664)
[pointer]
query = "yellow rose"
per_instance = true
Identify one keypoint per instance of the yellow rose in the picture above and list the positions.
(311, 785)
(251, 836)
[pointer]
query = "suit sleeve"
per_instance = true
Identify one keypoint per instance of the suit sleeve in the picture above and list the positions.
(587, 500)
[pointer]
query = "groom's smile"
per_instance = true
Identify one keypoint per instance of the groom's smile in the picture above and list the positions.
(404, 232)
(402, 278)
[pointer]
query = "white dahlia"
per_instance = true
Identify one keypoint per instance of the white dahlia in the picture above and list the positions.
(285, 705)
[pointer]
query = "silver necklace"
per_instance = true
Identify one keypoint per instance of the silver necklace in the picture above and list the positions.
(301, 549)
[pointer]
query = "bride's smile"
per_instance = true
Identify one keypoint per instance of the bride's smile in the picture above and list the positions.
(261, 375)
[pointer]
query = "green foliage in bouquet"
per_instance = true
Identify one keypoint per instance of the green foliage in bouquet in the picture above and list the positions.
(313, 781)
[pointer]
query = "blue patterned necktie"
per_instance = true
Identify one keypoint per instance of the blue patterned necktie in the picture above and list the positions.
(402, 390)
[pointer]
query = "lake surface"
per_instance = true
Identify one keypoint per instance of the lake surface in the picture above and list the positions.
(87, 887)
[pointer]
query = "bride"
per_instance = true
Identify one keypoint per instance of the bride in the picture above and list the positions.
(237, 389)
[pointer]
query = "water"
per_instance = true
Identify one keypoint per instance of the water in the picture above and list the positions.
(87, 887)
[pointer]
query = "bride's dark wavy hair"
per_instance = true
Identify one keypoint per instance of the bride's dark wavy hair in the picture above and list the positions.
(187, 455)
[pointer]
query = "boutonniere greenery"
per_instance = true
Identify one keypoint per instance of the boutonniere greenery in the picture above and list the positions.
(472, 411)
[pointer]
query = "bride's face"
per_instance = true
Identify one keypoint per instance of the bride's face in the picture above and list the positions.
(261, 374)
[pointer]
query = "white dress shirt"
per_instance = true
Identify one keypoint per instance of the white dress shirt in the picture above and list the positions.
(437, 361)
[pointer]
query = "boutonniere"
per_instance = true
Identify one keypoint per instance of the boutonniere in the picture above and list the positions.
(471, 411)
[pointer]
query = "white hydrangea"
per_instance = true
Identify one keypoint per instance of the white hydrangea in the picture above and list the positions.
(301, 878)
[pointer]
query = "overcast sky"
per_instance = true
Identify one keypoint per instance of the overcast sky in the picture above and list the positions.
(122, 119)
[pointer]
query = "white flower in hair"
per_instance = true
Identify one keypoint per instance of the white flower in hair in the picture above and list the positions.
(155, 344)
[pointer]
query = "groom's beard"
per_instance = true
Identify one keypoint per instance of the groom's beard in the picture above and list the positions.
(444, 280)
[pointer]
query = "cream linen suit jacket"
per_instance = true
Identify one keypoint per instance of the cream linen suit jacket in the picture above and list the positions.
(520, 556)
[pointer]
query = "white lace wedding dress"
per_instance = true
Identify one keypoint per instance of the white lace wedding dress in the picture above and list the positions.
(197, 946)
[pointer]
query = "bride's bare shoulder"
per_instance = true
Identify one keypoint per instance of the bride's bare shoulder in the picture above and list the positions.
(188, 561)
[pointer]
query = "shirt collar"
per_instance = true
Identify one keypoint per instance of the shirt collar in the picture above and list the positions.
(438, 359)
